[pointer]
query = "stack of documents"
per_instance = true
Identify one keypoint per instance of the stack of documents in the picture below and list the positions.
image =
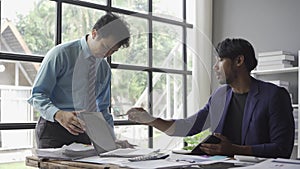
(70, 152)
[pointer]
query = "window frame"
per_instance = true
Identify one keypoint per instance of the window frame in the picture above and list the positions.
(149, 68)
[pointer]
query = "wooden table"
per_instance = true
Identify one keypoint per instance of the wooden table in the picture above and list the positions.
(33, 161)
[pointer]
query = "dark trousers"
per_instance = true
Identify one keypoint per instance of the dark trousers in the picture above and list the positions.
(53, 135)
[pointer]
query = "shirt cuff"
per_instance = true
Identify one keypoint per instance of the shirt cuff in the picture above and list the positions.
(50, 113)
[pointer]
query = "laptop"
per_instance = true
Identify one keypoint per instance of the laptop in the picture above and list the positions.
(99, 131)
(103, 138)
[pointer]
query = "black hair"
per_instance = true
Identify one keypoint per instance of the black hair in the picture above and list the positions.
(232, 48)
(112, 25)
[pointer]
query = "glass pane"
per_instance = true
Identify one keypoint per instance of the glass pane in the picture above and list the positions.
(15, 145)
(167, 104)
(132, 5)
(28, 27)
(163, 141)
(15, 89)
(137, 52)
(189, 86)
(137, 135)
(101, 2)
(191, 48)
(128, 89)
(190, 56)
(190, 12)
(167, 46)
(191, 92)
(167, 95)
(167, 9)
(78, 21)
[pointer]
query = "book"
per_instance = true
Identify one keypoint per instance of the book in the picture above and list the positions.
(276, 58)
(270, 67)
(274, 62)
(281, 52)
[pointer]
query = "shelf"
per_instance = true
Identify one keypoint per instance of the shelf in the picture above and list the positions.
(295, 105)
(274, 71)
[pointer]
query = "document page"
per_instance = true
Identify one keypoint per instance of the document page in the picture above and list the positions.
(127, 152)
(275, 164)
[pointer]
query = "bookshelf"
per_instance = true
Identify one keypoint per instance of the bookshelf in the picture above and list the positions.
(293, 77)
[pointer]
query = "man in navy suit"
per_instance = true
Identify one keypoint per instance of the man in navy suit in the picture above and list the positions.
(251, 117)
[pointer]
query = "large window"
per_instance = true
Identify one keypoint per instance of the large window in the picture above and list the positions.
(154, 72)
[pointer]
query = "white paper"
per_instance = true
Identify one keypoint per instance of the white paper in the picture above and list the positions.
(275, 164)
(127, 152)
(78, 147)
(173, 161)
(67, 152)
(253, 159)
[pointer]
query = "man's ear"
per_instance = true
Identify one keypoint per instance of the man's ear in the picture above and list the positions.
(94, 34)
(240, 60)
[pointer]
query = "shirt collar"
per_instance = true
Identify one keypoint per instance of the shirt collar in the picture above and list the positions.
(85, 48)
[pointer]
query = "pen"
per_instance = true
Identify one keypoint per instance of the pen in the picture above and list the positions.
(185, 160)
(121, 115)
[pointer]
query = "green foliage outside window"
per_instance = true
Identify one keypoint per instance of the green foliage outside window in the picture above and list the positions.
(38, 30)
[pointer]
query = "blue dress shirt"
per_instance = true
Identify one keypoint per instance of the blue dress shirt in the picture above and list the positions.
(61, 83)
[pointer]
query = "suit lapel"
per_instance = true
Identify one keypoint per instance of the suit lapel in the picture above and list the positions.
(249, 108)
(220, 127)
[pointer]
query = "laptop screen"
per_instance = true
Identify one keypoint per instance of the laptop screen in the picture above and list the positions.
(99, 131)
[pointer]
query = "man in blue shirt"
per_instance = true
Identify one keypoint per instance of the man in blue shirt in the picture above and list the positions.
(61, 87)
(249, 116)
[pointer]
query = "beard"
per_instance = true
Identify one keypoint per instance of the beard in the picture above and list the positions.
(227, 77)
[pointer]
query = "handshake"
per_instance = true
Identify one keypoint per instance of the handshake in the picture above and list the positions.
(140, 115)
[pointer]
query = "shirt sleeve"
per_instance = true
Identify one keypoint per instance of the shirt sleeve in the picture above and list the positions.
(44, 83)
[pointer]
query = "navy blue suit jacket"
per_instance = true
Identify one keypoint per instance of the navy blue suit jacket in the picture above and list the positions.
(268, 124)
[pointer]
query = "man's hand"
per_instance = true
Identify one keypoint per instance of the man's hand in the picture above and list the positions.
(70, 121)
(225, 147)
(140, 115)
